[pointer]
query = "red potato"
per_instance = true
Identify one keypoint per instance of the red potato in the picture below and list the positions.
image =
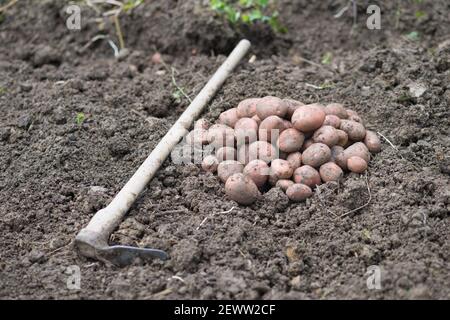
(227, 168)
(258, 171)
(226, 153)
(335, 151)
(327, 135)
(316, 155)
(354, 130)
(292, 105)
(246, 131)
(284, 184)
(294, 159)
(353, 115)
(372, 141)
(357, 149)
(356, 164)
(279, 169)
(257, 119)
(241, 189)
(330, 172)
(210, 163)
(271, 106)
(262, 150)
(229, 117)
(247, 107)
(201, 124)
(343, 138)
(307, 175)
(298, 192)
(332, 120)
(307, 144)
(270, 128)
(336, 109)
(290, 140)
(308, 117)
(197, 137)
(220, 135)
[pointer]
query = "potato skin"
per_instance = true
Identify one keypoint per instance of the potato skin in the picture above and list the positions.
(220, 135)
(227, 168)
(358, 149)
(271, 106)
(258, 171)
(336, 109)
(246, 131)
(280, 169)
(257, 119)
(262, 150)
(197, 137)
(284, 184)
(372, 141)
(343, 138)
(330, 172)
(332, 120)
(210, 163)
(308, 117)
(353, 115)
(241, 189)
(307, 144)
(201, 124)
(307, 175)
(356, 164)
(290, 140)
(354, 130)
(294, 159)
(327, 135)
(226, 153)
(271, 127)
(229, 117)
(247, 108)
(316, 155)
(298, 192)
(292, 105)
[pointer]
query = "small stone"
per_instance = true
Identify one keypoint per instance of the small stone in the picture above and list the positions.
(36, 256)
(24, 121)
(417, 89)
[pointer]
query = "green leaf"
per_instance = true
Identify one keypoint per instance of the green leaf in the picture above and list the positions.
(256, 15)
(79, 119)
(327, 57)
(245, 18)
(413, 36)
(263, 3)
(420, 14)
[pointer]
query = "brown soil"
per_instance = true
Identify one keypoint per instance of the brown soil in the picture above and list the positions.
(55, 174)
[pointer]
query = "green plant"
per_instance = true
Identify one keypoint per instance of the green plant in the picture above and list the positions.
(79, 119)
(413, 36)
(249, 12)
(2, 91)
(327, 57)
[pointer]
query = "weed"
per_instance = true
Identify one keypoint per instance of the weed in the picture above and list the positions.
(327, 57)
(413, 36)
(79, 119)
(2, 91)
(249, 12)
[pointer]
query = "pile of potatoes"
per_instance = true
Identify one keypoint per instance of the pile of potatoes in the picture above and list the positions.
(269, 141)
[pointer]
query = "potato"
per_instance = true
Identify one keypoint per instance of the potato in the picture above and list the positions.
(316, 155)
(257, 119)
(197, 137)
(332, 120)
(340, 160)
(357, 149)
(226, 153)
(292, 105)
(294, 159)
(290, 140)
(220, 135)
(335, 151)
(229, 117)
(327, 135)
(330, 172)
(271, 106)
(307, 144)
(210, 163)
(227, 168)
(343, 138)
(356, 164)
(247, 107)
(258, 171)
(241, 189)
(336, 109)
(271, 127)
(353, 115)
(246, 131)
(372, 141)
(243, 154)
(354, 130)
(284, 184)
(298, 192)
(308, 117)
(307, 175)
(279, 169)
(262, 150)
(201, 124)
(287, 124)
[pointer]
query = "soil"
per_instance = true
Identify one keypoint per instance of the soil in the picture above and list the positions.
(56, 173)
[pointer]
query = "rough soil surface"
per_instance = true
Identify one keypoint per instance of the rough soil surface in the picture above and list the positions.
(55, 174)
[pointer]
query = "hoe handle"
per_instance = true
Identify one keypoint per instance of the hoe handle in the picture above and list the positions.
(106, 220)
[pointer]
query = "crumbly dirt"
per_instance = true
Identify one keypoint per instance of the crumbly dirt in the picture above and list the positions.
(55, 174)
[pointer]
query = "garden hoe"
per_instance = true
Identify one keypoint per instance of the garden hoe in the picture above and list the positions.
(92, 241)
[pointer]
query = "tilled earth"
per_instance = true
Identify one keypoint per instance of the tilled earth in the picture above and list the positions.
(56, 173)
